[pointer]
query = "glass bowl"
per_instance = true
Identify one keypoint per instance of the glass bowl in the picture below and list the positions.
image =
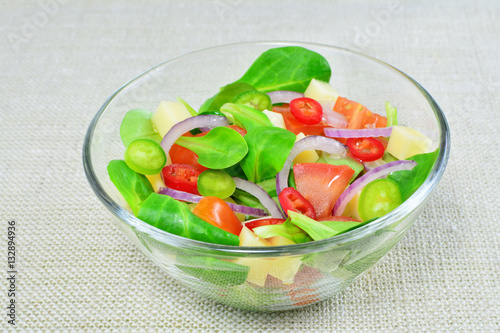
(301, 274)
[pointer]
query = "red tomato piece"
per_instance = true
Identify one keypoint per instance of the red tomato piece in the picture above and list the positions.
(218, 213)
(322, 184)
(291, 199)
(365, 149)
(306, 110)
(238, 129)
(295, 126)
(181, 155)
(358, 115)
(181, 177)
(259, 223)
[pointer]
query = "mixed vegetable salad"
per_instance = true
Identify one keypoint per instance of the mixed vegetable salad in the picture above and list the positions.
(274, 158)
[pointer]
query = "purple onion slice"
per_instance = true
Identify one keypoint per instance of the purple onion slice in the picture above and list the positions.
(283, 96)
(204, 121)
(188, 197)
(260, 194)
(357, 133)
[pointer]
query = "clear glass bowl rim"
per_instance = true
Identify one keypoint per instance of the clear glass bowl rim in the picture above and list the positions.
(399, 213)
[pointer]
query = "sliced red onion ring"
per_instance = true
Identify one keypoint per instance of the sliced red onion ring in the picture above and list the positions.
(180, 195)
(368, 177)
(184, 196)
(327, 105)
(373, 164)
(207, 121)
(312, 142)
(357, 133)
(334, 119)
(260, 194)
(283, 96)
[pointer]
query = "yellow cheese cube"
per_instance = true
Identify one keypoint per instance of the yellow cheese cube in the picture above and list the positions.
(156, 181)
(284, 268)
(307, 156)
(167, 115)
(321, 91)
(351, 209)
(259, 268)
(405, 142)
(275, 118)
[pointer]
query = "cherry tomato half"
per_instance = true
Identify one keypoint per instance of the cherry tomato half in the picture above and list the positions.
(259, 223)
(306, 110)
(291, 199)
(295, 126)
(218, 213)
(365, 149)
(181, 177)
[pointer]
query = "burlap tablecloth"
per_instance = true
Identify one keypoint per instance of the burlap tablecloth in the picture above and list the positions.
(60, 60)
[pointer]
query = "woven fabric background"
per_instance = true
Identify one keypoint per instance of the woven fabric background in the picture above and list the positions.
(61, 59)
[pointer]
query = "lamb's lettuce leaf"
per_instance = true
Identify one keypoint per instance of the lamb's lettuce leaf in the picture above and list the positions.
(134, 187)
(287, 68)
(268, 149)
(136, 124)
(220, 148)
(225, 95)
(410, 180)
(321, 230)
(175, 217)
(286, 229)
(245, 116)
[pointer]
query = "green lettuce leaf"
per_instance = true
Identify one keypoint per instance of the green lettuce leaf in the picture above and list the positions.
(245, 116)
(134, 187)
(175, 217)
(221, 148)
(225, 95)
(268, 149)
(136, 124)
(321, 230)
(410, 180)
(287, 68)
(286, 229)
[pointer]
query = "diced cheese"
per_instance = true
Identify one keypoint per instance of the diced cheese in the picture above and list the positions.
(405, 142)
(279, 241)
(249, 238)
(259, 268)
(156, 181)
(321, 91)
(284, 268)
(307, 156)
(351, 209)
(275, 118)
(167, 115)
